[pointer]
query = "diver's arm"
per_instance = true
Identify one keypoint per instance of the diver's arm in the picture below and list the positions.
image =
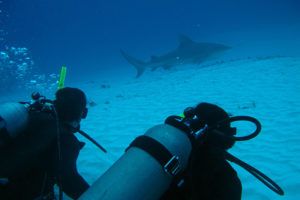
(73, 184)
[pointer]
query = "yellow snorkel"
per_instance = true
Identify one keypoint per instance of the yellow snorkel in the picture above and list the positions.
(62, 77)
(182, 115)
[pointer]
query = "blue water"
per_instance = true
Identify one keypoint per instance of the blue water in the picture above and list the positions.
(38, 37)
(87, 35)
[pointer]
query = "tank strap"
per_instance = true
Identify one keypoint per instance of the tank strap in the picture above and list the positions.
(169, 162)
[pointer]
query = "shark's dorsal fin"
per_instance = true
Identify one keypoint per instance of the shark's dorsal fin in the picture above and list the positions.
(184, 41)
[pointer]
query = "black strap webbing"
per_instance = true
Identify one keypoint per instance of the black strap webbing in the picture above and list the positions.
(157, 151)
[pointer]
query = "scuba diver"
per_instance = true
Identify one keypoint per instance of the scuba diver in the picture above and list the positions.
(209, 175)
(45, 153)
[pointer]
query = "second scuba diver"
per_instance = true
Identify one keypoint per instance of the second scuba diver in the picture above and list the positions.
(46, 153)
(208, 175)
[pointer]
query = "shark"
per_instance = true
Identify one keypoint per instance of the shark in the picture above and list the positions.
(187, 52)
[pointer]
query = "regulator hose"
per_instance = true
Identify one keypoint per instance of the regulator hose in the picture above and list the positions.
(240, 118)
(255, 172)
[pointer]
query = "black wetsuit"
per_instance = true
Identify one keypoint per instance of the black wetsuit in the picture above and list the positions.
(32, 164)
(208, 177)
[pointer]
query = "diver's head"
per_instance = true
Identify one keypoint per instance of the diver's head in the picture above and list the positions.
(70, 104)
(214, 116)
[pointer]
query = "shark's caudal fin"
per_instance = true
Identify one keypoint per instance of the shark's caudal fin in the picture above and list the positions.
(138, 64)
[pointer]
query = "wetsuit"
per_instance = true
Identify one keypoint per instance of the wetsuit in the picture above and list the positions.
(32, 164)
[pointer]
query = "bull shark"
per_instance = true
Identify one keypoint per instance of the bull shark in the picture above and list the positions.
(187, 52)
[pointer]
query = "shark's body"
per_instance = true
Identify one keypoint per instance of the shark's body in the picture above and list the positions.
(188, 52)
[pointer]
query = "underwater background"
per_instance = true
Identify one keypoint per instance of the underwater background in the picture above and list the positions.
(259, 76)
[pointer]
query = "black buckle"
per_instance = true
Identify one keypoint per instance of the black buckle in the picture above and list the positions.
(169, 163)
(172, 166)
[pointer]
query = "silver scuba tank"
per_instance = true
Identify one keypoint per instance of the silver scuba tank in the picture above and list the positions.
(13, 119)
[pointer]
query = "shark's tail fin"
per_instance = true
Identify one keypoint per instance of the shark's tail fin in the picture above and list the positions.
(138, 64)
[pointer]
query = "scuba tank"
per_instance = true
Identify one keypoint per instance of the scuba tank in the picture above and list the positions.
(13, 120)
(15, 116)
(147, 167)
